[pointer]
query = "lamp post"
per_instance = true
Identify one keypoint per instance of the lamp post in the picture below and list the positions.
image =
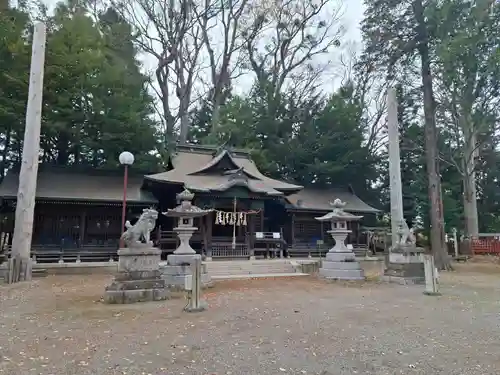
(126, 158)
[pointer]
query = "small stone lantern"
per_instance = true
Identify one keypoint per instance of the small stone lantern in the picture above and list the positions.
(338, 219)
(340, 262)
(186, 212)
(177, 266)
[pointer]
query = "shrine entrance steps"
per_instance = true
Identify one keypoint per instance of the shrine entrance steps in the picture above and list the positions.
(241, 269)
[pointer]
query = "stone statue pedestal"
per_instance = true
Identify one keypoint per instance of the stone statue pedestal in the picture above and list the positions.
(405, 265)
(178, 264)
(340, 262)
(138, 278)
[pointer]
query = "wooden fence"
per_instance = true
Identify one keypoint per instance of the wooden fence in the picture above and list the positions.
(486, 243)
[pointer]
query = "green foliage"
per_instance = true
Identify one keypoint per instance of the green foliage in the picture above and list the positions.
(14, 75)
(96, 102)
(311, 141)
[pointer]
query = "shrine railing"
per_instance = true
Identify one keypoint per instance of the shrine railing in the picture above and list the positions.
(486, 243)
(222, 247)
(58, 255)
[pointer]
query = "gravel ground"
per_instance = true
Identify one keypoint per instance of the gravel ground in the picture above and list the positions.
(57, 325)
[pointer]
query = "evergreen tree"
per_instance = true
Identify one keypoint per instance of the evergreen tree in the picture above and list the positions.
(96, 103)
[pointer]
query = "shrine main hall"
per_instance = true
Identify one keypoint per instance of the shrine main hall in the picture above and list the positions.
(78, 213)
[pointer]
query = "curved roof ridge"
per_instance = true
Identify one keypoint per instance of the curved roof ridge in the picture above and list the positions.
(217, 159)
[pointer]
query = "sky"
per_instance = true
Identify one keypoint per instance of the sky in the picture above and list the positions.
(351, 18)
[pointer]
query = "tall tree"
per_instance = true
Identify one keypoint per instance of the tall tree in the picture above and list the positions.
(14, 75)
(221, 17)
(284, 41)
(96, 102)
(468, 65)
(396, 33)
(314, 141)
(169, 32)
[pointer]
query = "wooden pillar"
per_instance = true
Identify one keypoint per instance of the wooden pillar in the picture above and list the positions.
(20, 262)
(203, 233)
(210, 220)
(293, 229)
(251, 229)
(83, 229)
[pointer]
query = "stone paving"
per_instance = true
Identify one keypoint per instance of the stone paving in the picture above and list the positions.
(303, 325)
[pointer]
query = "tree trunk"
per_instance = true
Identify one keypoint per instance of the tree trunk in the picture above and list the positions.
(184, 119)
(469, 184)
(431, 145)
(215, 120)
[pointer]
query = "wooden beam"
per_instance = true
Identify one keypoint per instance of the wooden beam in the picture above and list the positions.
(83, 230)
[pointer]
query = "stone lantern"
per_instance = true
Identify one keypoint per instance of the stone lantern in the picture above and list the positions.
(177, 266)
(340, 262)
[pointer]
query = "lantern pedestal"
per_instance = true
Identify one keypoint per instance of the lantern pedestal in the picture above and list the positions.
(178, 264)
(340, 262)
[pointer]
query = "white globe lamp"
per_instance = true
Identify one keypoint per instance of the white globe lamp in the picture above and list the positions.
(126, 158)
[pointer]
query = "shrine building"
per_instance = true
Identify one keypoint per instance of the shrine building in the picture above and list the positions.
(78, 215)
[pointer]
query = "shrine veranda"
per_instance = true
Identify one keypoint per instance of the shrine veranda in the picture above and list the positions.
(78, 213)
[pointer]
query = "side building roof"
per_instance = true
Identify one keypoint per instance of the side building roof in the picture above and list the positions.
(315, 199)
(72, 186)
(200, 169)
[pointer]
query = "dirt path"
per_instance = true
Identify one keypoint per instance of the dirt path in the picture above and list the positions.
(58, 325)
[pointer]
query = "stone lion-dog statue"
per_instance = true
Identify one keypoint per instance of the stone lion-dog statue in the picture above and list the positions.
(141, 230)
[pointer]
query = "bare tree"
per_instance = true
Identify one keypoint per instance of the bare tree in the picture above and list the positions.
(467, 70)
(285, 39)
(220, 27)
(170, 32)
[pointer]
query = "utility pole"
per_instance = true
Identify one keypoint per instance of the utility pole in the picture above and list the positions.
(20, 261)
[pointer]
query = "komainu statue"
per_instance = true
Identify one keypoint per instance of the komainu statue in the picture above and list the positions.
(407, 235)
(141, 230)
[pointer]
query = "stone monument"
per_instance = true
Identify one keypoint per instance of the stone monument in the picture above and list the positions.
(177, 266)
(340, 262)
(405, 263)
(138, 278)
(19, 265)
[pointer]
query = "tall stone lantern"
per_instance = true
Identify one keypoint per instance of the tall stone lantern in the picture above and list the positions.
(340, 262)
(177, 266)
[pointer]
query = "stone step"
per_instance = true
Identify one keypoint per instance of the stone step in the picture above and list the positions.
(246, 268)
(256, 276)
(251, 272)
(256, 270)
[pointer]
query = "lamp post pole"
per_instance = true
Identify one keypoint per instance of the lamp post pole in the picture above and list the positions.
(126, 159)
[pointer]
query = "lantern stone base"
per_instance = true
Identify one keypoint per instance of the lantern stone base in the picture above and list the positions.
(138, 278)
(341, 266)
(178, 266)
(405, 265)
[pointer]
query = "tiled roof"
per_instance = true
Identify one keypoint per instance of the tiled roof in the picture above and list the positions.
(192, 164)
(82, 187)
(313, 199)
